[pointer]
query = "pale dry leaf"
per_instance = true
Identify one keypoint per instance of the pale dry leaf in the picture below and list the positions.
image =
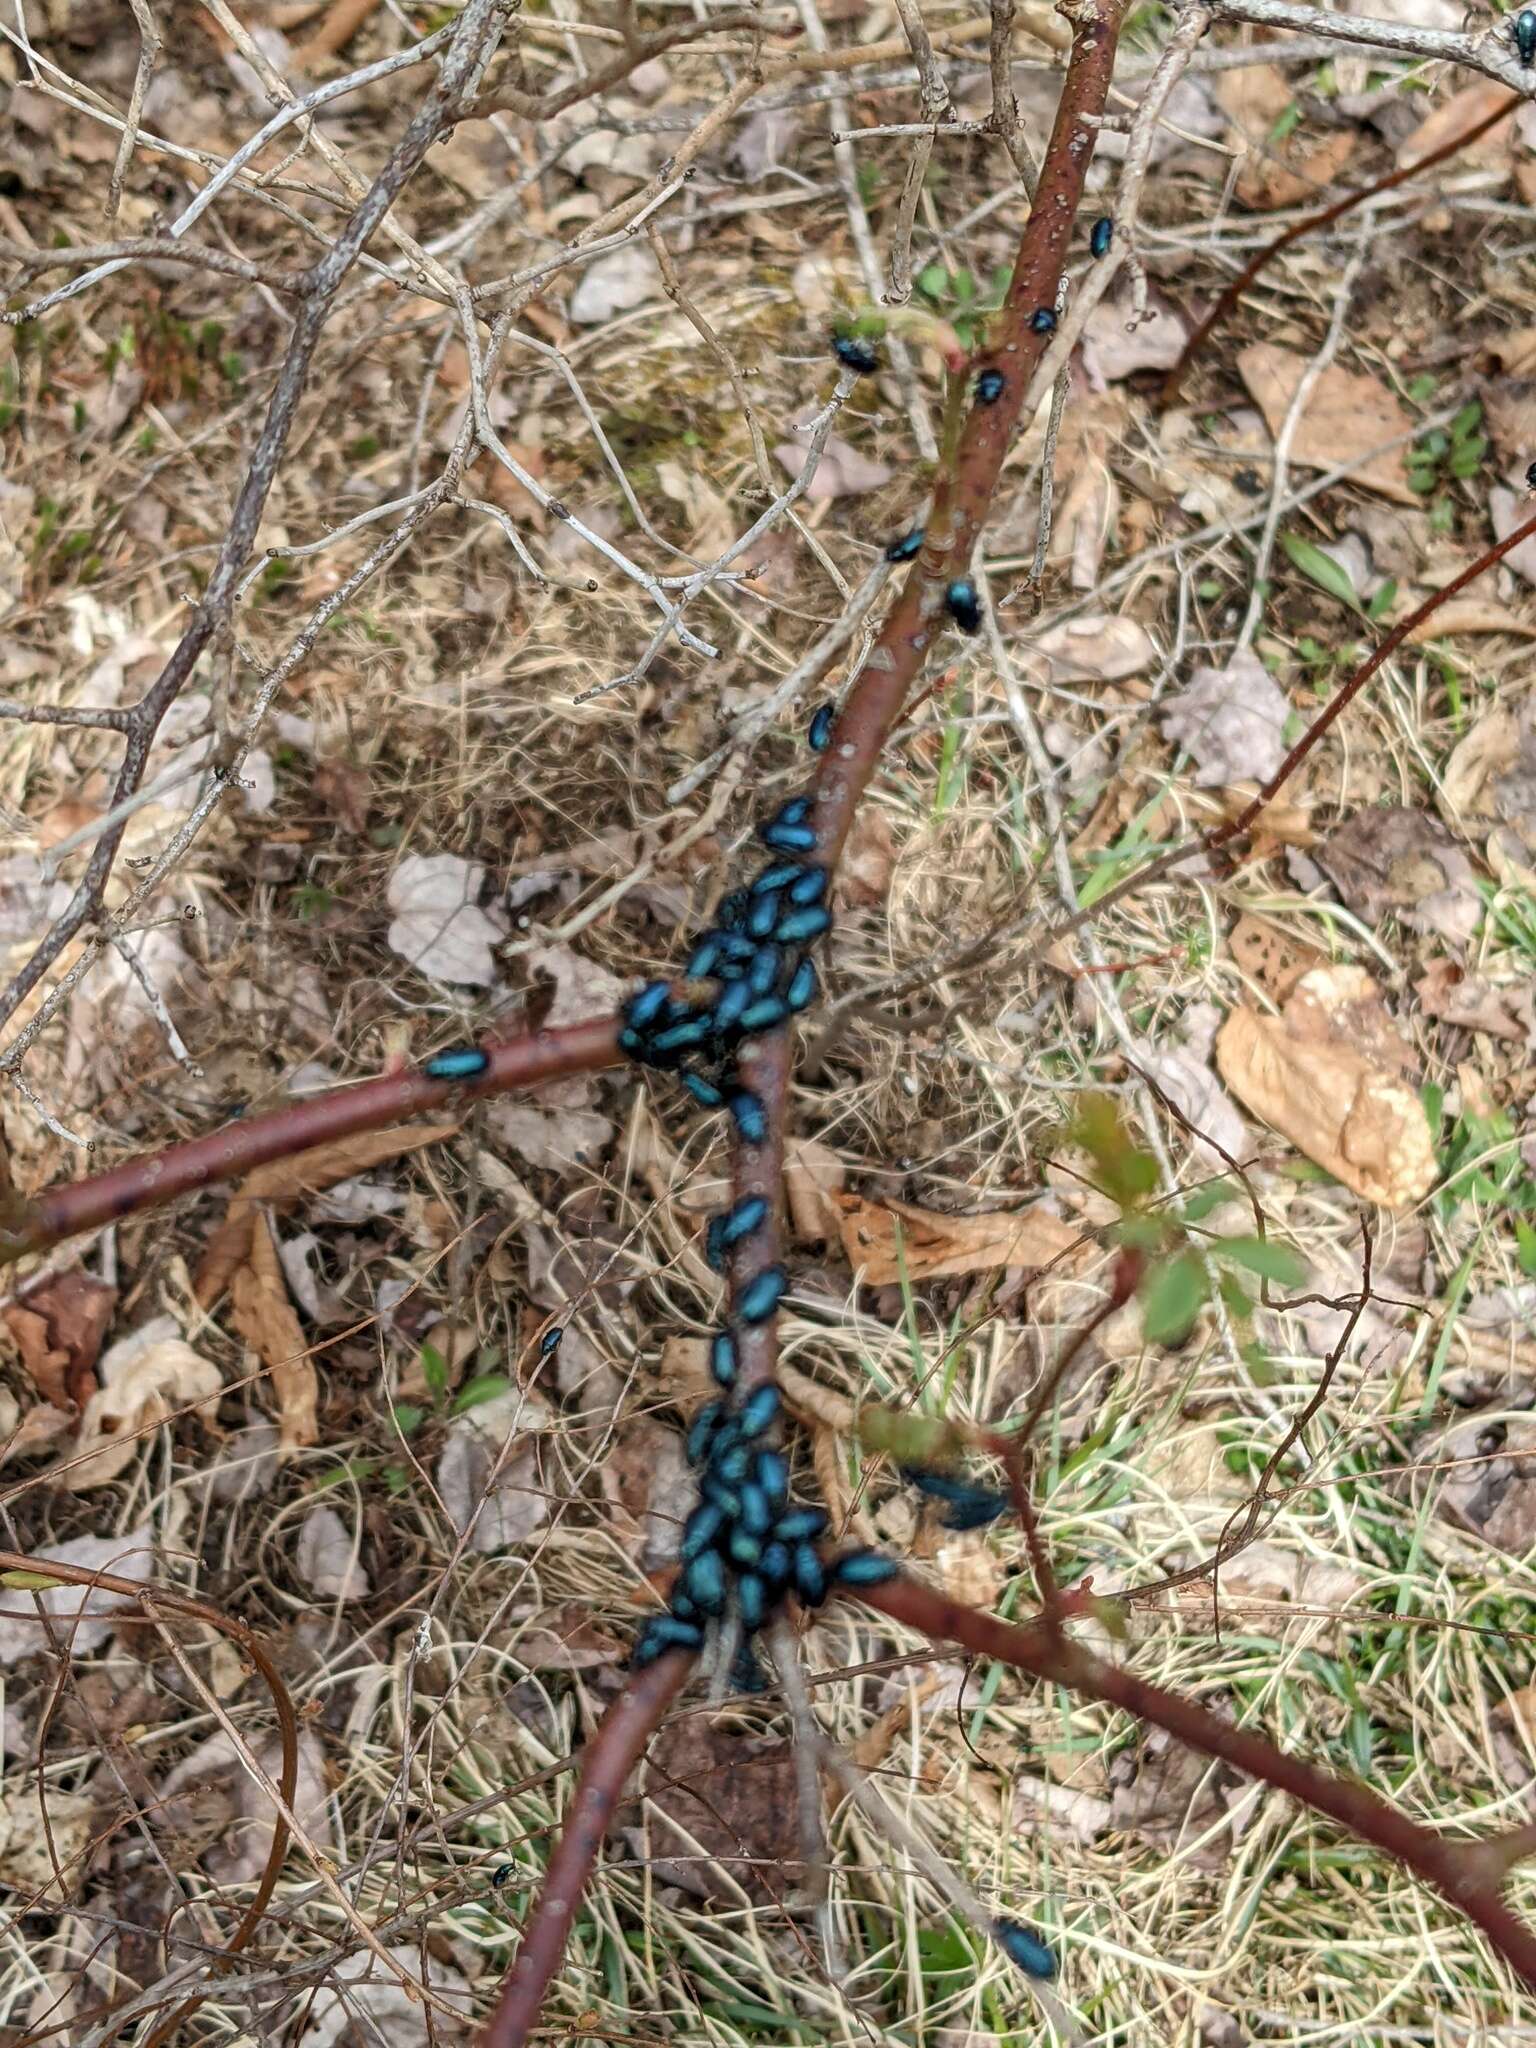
(1405, 861)
(488, 1473)
(363, 2002)
(248, 1464)
(41, 1426)
(1469, 615)
(1340, 1004)
(144, 1379)
(1348, 418)
(261, 1311)
(841, 473)
(556, 1139)
(438, 924)
(1510, 354)
(239, 1853)
(1179, 1799)
(77, 1614)
(884, 1240)
(615, 284)
(1509, 506)
(1452, 117)
(1231, 720)
(1275, 172)
(1086, 517)
(1117, 343)
(1448, 992)
(813, 1175)
(325, 1558)
(1184, 1075)
(1100, 650)
(1362, 1123)
(869, 859)
(582, 989)
(284, 1181)
(1476, 763)
(44, 1838)
(1483, 1476)
(1083, 1814)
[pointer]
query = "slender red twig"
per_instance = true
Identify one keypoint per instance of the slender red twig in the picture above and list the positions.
(31, 1226)
(627, 1727)
(1454, 1869)
(1174, 381)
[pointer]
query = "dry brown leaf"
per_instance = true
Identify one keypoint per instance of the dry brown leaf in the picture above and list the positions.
(1470, 615)
(265, 1317)
(813, 1175)
(864, 873)
(143, 1383)
(883, 1241)
(1351, 1115)
(43, 1365)
(1454, 117)
(1477, 761)
(1449, 992)
(1269, 186)
(305, 1173)
(713, 1786)
(1346, 419)
(59, 1333)
(1510, 355)
(1392, 858)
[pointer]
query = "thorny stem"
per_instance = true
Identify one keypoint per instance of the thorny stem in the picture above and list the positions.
(900, 653)
(609, 1757)
(32, 1226)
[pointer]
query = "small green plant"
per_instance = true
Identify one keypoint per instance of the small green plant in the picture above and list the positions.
(1182, 1267)
(1446, 455)
(442, 1405)
(956, 297)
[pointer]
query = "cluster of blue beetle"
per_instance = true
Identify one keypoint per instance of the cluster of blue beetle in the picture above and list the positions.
(746, 1544)
(961, 599)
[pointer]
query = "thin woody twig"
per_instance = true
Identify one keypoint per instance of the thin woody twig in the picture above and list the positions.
(475, 33)
(143, 71)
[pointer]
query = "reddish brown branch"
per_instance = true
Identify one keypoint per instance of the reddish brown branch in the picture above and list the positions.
(33, 1225)
(1451, 1868)
(1335, 708)
(1174, 381)
(610, 1757)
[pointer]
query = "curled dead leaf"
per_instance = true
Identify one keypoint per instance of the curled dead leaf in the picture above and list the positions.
(58, 1331)
(146, 1378)
(1359, 1120)
(287, 1180)
(883, 1241)
(265, 1317)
